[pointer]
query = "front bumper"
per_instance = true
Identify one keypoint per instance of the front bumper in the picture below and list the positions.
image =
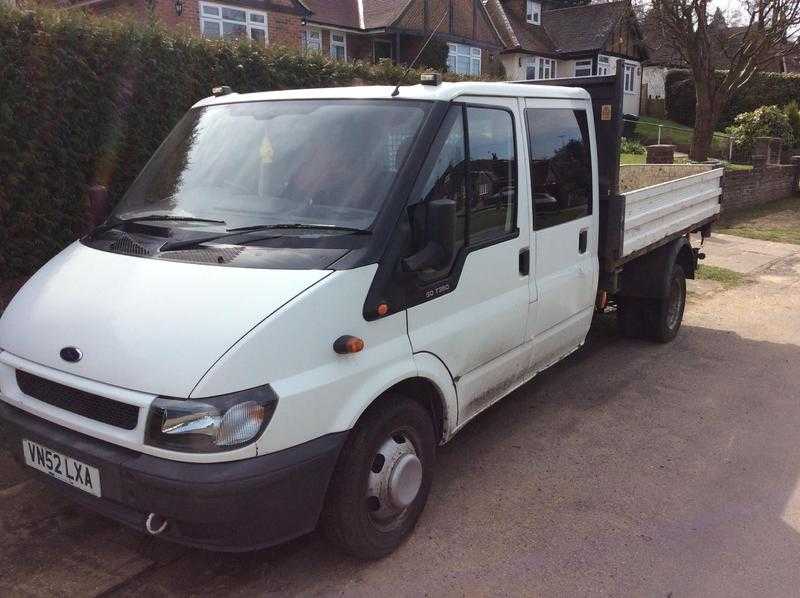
(232, 506)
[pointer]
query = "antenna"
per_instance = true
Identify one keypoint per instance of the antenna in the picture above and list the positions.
(421, 50)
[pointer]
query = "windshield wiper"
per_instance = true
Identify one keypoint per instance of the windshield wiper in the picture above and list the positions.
(244, 230)
(152, 217)
(347, 229)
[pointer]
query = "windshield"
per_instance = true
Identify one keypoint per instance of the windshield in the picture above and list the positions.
(327, 162)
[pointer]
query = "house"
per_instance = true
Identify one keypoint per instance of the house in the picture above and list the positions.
(662, 56)
(344, 29)
(579, 41)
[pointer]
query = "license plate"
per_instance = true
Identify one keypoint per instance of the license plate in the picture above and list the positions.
(61, 467)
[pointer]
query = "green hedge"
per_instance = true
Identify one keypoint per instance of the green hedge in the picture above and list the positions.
(86, 100)
(763, 89)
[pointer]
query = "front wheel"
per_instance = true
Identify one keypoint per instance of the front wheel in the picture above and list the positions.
(382, 479)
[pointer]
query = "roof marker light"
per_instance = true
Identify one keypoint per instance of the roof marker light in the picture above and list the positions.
(434, 79)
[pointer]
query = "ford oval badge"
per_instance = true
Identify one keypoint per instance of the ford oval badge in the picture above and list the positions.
(71, 354)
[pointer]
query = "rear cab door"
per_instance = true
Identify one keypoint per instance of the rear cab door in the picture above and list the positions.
(475, 317)
(562, 165)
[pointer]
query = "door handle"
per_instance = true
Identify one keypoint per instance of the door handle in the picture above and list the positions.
(524, 261)
(583, 240)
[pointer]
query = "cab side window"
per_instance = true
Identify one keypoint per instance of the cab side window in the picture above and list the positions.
(447, 176)
(561, 165)
(493, 175)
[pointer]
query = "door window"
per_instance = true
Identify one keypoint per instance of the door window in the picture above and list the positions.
(561, 165)
(493, 174)
(486, 208)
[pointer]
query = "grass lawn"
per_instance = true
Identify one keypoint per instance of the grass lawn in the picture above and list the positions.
(776, 221)
(631, 158)
(728, 278)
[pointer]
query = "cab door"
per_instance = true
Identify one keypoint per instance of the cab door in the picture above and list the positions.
(474, 315)
(562, 166)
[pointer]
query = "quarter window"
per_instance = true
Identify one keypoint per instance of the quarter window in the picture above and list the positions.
(464, 60)
(561, 165)
(217, 20)
(583, 68)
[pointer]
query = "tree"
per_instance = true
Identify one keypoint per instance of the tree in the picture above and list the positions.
(686, 27)
(554, 4)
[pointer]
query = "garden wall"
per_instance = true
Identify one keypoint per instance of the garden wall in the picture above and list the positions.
(764, 183)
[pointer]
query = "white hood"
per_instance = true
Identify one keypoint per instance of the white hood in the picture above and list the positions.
(154, 326)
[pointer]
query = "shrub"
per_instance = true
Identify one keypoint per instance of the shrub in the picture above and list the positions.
(792, 111)
(84, 100)
(631, 146)
(763, 89)
(767, 121)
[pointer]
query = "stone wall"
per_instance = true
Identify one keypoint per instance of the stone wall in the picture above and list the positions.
(637, 176)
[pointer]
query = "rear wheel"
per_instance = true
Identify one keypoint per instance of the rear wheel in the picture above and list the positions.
(654, 319)
(381, 481)
(665, 318)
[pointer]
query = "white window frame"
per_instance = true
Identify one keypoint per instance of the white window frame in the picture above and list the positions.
(630, 77)
(339, 44)
(307, 37)
(472, 53)
(582, 64)
(603, 65)
(249, 23)
(546, 69)
(533, 12)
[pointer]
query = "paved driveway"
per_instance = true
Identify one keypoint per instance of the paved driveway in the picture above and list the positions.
(631, 469)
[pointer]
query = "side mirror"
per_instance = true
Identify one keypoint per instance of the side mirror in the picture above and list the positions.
(99, 205)
(440, 237)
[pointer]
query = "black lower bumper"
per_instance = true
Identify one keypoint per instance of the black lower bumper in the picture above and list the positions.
(233, 506)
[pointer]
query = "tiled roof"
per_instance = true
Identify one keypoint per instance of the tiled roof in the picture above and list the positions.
(345, 13)
(583, 28)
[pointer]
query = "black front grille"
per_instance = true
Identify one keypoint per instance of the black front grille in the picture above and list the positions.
(102, 409)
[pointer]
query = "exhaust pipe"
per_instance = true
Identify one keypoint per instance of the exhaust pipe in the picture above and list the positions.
(155, 524)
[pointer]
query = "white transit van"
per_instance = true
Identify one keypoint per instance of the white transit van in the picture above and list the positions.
(305, 292)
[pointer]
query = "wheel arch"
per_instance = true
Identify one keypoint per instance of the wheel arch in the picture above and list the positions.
(432, 387)
(649, 275)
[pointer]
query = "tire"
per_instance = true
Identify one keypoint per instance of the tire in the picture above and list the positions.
(358, 518)
(654, 319)
(663, 320)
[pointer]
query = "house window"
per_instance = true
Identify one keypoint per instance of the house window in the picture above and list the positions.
(464, 60)
(533, 14)
(217, 20)
(381, 50)
(338, 45)
(583, 68)
(603, 65)
(547, 68)
(630, 78)
(312, 40)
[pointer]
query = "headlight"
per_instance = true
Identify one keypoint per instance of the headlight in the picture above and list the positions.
(210, 425)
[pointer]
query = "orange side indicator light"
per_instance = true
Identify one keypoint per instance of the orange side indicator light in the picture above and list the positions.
(383, 309)
(348, 344)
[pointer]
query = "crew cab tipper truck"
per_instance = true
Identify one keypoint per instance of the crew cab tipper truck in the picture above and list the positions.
(305, 292)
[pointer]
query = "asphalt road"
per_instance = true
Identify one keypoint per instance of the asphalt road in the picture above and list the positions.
(632, 469)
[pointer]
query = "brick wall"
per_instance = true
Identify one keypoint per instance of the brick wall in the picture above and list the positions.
(765, 183)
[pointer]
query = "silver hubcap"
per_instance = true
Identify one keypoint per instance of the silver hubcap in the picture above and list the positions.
(394, 480)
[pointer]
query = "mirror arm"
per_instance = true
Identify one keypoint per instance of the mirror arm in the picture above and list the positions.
(429, 256)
